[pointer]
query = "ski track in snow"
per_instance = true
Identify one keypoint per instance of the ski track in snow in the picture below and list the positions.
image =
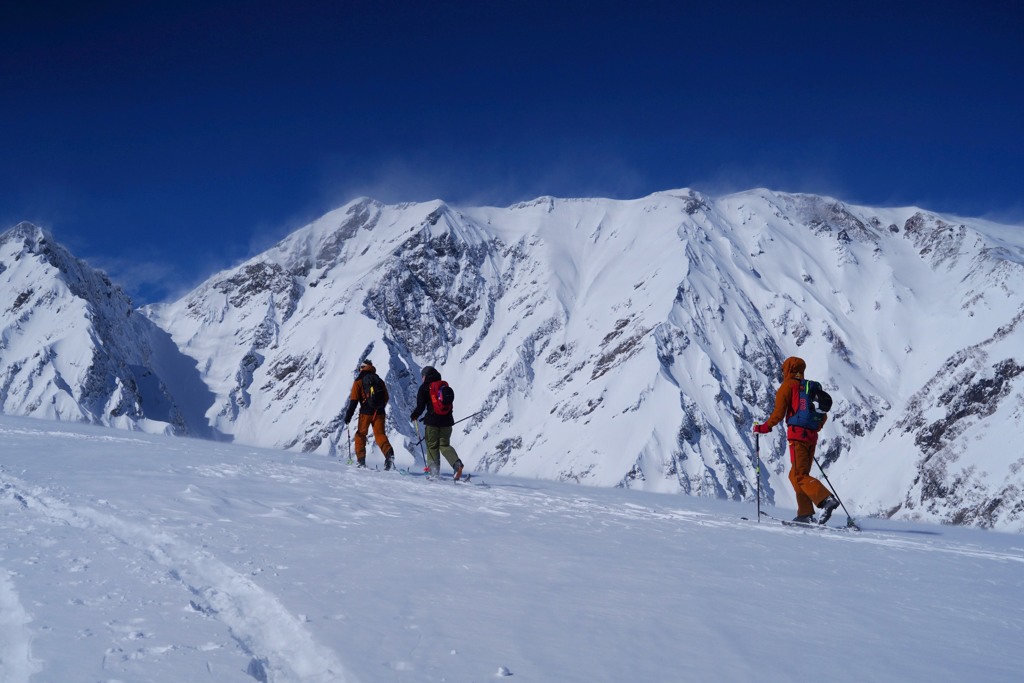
(16, 663)
(280, 647)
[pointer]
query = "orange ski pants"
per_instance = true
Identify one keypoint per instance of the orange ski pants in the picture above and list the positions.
(375, 422)
(809, 491)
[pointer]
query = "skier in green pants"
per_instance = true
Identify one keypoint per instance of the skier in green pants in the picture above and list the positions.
(436, 398)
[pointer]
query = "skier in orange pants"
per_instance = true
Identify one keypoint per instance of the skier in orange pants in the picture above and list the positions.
(370, 395)
(802, 442)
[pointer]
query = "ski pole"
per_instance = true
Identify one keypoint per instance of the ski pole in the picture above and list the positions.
(466, 418)
(421, 438)
(426, 465)
(757, 468)
(849, 518)
(453, 424)
(348, 440)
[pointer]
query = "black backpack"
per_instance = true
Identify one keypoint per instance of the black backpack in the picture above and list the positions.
(375, 394)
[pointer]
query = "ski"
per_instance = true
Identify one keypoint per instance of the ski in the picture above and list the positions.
(817, 527)
(373, 468)
(850, 525)
(406, 470)
(467, 478)
(423, 474)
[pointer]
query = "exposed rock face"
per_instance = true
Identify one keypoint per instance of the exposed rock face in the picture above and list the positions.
(976, 387)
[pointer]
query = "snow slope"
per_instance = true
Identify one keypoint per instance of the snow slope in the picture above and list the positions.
(134, 557)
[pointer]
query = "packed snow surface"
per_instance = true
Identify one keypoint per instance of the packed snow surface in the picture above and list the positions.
(135, 557)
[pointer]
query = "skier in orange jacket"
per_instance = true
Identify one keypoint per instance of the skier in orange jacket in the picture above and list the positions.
(802, 442)
(371, 395)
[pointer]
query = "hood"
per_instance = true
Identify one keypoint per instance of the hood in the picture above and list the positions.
(793, 368)
(430, 374)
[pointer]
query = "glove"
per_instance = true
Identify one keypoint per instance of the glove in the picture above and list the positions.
(762, 429)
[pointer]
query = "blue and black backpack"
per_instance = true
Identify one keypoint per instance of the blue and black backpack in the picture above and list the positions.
(810, 403)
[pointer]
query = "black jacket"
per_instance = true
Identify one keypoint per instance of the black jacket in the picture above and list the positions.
(423, 402)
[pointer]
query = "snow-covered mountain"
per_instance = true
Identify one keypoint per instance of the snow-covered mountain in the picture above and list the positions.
(634, 342)
(73, 348)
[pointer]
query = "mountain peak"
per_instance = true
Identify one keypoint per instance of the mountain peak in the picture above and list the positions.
(28, 233)
(73, 348)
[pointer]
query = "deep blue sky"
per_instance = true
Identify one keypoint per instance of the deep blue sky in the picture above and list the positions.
(165, 141)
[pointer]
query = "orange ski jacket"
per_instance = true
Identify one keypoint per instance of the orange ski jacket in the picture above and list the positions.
(785, 405)
(356, 397)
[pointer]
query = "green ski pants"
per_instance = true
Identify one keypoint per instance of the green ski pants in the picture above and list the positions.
(439, 439)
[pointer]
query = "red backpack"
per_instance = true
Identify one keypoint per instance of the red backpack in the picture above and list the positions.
(442, 397)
